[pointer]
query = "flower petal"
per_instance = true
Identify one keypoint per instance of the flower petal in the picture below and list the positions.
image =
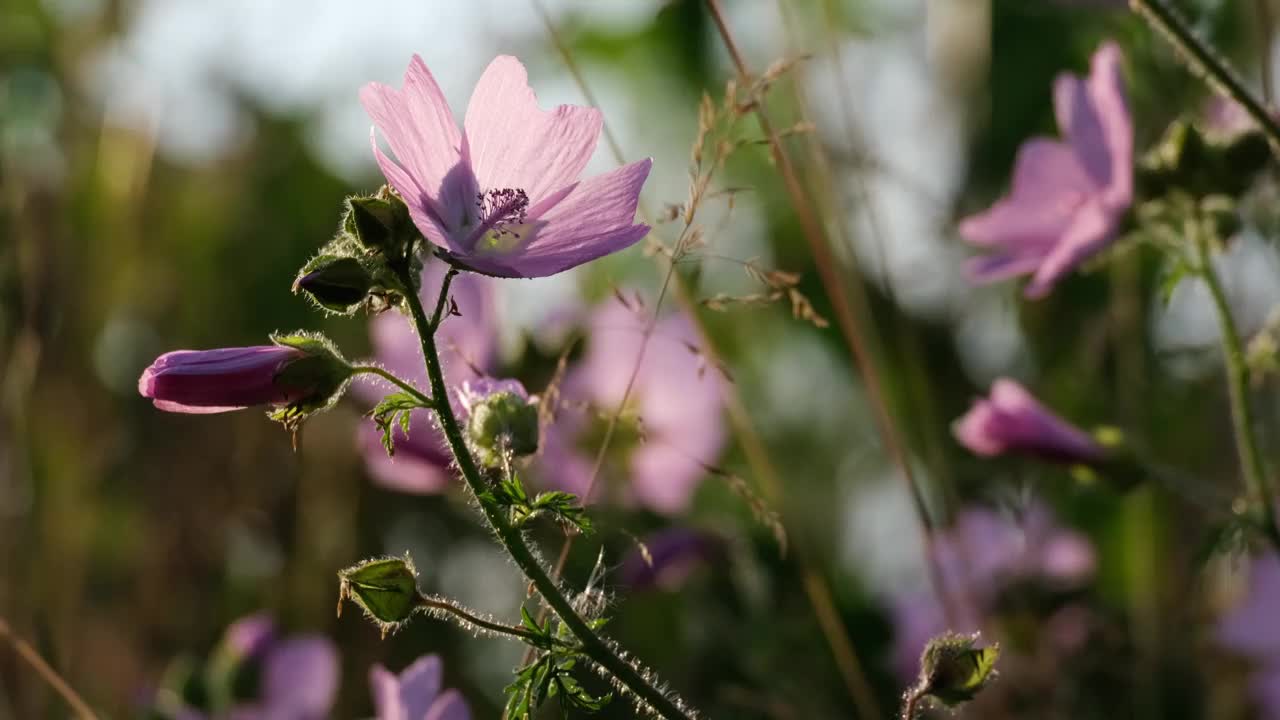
(425, 212)
(420, 683)
(420, 128)
(385, 688)
(593, 220)
(449, 706)
(1094, 117)
(1090, 231)
(1048, 184)
(514, 144)
(300, 678)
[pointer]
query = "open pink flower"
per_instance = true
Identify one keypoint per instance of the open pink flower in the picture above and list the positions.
(214, 381)
(502, 196)
(1068, 198)
(415, 693)
(1011, 420)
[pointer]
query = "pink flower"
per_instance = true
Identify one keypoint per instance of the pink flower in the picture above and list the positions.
(415, 693)
(980, 557)
(1012, 421)
(676, 401)
(468, 347)
(502, 197)
(1068, 198)
(1251, 629)
(214, 381)
(297, 677)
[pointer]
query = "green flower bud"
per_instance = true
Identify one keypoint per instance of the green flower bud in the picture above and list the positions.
(953, 670)
(380, 223)
(1188, 159)
(337, 284)
(385, 588)
(501, 418)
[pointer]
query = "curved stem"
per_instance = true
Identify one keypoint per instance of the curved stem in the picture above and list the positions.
(1205, 61)
(438, 603)
(1261, 493)
(511, 539)
(375, 370)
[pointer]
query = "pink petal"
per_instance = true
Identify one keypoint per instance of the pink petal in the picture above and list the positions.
(972, 430)
(1001, 265)
(425, 212)
(175, 407)
(1089, 232)
(385, 688)
(514, 144)
(1094, 116)
(593, 220)
(300, 678)
(420, 683)
(1048, 185)
(1106, 89)
(1010, 396)
(420, 128)
(450, 706)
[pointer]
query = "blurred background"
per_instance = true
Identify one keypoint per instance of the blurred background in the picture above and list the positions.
(166, 166)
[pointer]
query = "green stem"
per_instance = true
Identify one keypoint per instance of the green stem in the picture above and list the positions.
(468, 619)
(1261, 494)
(592, 645)
(1205, 61)
(375, 370)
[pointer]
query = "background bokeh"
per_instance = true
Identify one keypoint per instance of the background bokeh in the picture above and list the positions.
(167, 165)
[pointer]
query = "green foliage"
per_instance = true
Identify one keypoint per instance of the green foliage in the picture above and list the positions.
(394, 412)
(385, 588)
(549, 675)
(563, 507)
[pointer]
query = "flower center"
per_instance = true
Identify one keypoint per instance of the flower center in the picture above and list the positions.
(502, 216)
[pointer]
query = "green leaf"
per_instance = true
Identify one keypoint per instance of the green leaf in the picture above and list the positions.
(394, 411)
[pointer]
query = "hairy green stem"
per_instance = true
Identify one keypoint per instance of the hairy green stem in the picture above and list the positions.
(468, 619)
(513, 541)
(1261, 492)
(1206, 61)
(375, 370)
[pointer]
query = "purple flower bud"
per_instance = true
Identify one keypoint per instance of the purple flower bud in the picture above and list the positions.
(212, 381)
(1012, 421)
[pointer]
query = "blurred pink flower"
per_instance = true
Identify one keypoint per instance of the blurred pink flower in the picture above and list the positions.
(669, 557)
(1068, 198)
(415, 693)
(981, 555)
(1252, 629)
(468, 349)
(297, 676)
(214, 381)
(676, 399)
(1012, 421)
(502, 196)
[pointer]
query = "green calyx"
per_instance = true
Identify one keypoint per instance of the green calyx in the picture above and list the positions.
(386, 589)
(502, 422)
(953, 670)
(322, 371)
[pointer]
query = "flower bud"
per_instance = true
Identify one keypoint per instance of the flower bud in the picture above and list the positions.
(1203, 163)
(337, 284)
(953, 670)
(1012, 421)
(385, 588)
(500, 418)
(380, 223)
